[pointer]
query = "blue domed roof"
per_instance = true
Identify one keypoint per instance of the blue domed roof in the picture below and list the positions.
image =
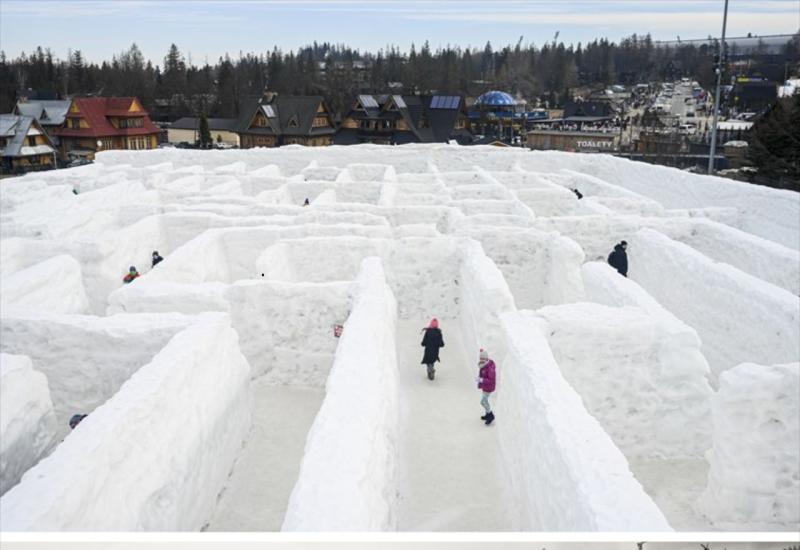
(495, 97)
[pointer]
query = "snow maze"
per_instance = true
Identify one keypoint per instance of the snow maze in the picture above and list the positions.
(219, 399)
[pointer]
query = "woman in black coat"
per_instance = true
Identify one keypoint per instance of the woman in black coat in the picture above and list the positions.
(432, 341)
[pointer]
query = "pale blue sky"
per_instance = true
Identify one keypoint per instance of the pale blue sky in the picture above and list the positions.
(209, 28)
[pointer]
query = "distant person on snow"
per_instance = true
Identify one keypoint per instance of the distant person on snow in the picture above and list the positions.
(306, 203)
(132, 274)
(486, 383)
(156, 258)
(76, 419)
(432, 341)
(577, 194)
(618, 259)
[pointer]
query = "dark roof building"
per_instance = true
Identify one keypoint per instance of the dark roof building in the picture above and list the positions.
(599, 109)
(396, 119)
(273, 120)
(24, 145)
(50, 113)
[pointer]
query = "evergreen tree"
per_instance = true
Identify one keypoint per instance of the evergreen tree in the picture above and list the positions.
(775, 145)
(205, 133)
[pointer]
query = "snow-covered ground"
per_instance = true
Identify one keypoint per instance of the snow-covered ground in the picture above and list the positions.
(220, 399)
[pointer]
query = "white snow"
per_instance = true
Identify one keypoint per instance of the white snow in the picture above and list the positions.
(604, 402)
(565, 472)
(351, 451)
(27, 420)
(155, 455)
(738, 317)
(645, 385)
(755, 462)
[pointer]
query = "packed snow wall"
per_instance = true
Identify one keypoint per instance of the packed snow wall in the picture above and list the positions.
(773, 214)
(645, 383)
(540, 268)
(348, 475)
(738, 317)
(54, 285)
(767, 260)
(27, 420)
(86, 359)
(166, 471)
(420, 271)
(286, 329)
(754, 477)
(581, 480)
(484, 296)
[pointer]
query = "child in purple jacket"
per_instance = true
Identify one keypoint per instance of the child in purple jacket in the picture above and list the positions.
(486, 383)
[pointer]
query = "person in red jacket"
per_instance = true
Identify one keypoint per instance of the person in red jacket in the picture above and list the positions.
(132, 274)
(486, 383)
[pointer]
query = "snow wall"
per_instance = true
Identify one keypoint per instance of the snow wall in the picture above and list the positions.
(571, 490)
(645, 384)
(86, 359)
(52, 286)
(738, 317)
(755, 462)
(27, 420)
(347, 477)
(767, 260)
(773, 214)
(198, 384)
(581, 481)
(540, 268)
(286, 329)
(484, 296)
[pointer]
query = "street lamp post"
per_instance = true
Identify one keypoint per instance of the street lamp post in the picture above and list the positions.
(720, 65)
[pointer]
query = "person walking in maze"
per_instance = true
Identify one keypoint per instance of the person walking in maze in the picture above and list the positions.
(432, 341)
(156, 258)
(486, 380)
(618, 259)
(132, 274)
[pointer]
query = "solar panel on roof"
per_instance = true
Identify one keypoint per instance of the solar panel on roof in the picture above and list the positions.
(445, 102)
(367, 101)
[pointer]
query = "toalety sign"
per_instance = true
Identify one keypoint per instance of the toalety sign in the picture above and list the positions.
(591, 144)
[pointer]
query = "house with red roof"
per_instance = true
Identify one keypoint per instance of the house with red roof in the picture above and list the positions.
(95, 124)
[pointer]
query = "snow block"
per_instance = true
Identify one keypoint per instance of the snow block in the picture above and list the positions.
(773, 214)
(286, 329)
(645, 382)
(739, 318)
(540, 268)
(122, 469)
(86, 359)
(52, 286)
(347, 478)
(755, 462)
(484, 296)
(565, 472)
(27, 420)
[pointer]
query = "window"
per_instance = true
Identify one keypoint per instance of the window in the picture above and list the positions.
(75, 123)
(320, 121)
(130, 123)
(32, 141)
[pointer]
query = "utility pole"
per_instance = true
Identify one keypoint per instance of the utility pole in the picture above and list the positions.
(720, 66)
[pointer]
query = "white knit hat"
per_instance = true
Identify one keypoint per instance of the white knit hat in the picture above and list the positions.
(484, 355)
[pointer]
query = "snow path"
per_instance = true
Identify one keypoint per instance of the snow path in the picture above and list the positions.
(675, 486)
(264, 475)
(450, 476)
